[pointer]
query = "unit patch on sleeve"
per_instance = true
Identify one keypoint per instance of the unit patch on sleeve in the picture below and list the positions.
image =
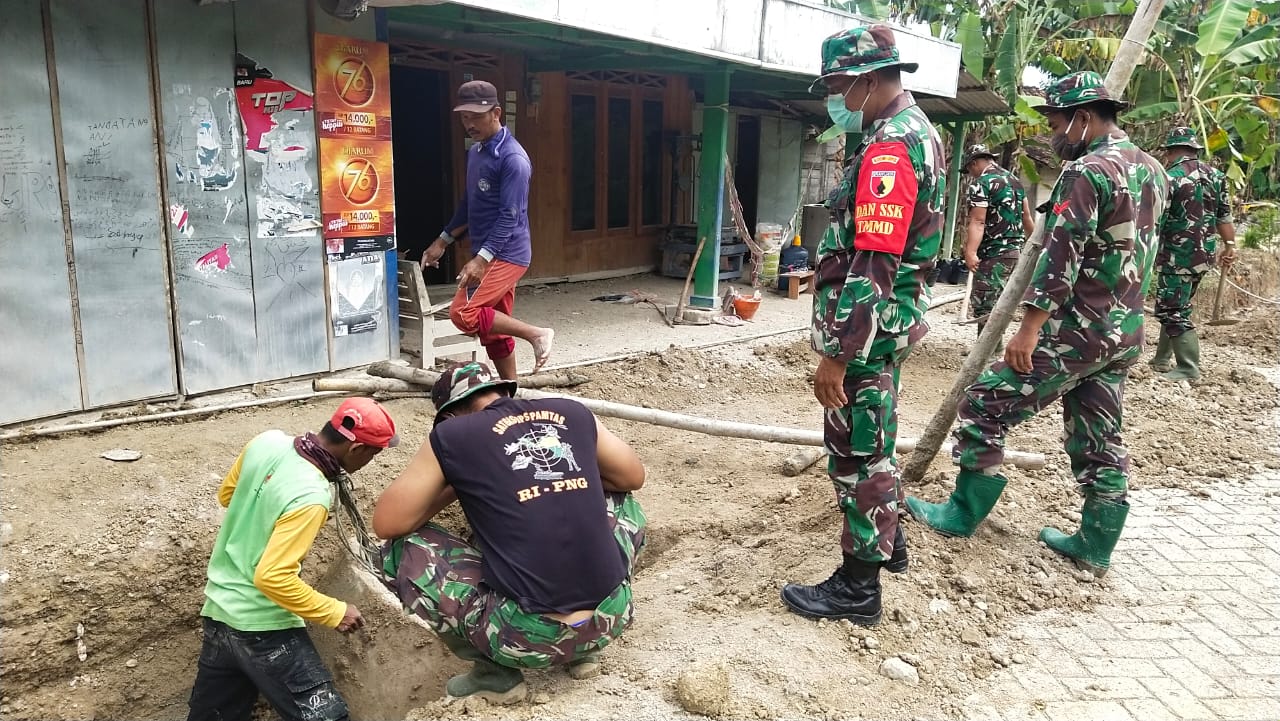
(885, 199)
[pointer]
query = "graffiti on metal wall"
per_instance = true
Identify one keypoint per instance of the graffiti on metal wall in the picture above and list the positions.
(28, 191)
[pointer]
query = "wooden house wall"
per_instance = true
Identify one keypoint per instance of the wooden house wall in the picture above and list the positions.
(543, 129)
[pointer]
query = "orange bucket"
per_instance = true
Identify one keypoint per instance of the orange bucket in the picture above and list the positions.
(745, 307)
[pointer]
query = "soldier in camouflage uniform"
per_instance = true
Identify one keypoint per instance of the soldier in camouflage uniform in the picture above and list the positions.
(999, 223)
(546, 580)
(1081, 332)
(1199, 212)
(869, 304)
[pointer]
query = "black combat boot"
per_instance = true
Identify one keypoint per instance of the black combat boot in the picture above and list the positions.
(852, 592)
(897, 563)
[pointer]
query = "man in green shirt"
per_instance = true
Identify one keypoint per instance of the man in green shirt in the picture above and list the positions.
(277, 497)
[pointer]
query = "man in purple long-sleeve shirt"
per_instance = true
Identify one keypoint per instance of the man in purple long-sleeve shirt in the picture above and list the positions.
(495, 211)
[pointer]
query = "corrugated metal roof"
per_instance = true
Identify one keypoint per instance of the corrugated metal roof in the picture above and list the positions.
(549, 46)
(972, 101)
(775, 37)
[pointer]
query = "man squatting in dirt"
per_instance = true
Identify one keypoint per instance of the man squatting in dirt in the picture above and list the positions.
(999, 222)
(546, 490)
(869, 304)
(277, 497)
(1081, 332)
(495, 211)
(1199, 212)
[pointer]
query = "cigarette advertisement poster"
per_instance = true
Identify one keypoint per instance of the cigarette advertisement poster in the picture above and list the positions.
(357, 199)
(353, 88)
(353, 104)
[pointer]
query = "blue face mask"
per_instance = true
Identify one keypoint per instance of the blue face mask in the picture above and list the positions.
(850, 121)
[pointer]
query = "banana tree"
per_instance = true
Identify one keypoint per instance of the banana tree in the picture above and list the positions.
(1221, 79)
(1001, 43)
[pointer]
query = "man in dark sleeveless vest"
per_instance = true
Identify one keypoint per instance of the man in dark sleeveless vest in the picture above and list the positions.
(546, 580)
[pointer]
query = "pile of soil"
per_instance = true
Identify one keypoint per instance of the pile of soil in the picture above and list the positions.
(121, 548)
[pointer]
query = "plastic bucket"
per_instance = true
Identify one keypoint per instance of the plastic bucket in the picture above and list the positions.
(746, 307)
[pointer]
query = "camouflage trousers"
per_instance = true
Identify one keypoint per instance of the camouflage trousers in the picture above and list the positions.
(860, 439)
(1092, 412)
(988, 282)
(1174, 292)
(438, 576)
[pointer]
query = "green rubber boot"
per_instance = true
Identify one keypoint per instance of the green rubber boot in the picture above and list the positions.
(1090, 547)
(974, 497)
(1186, 349)
(1162, 361)
(486, 679)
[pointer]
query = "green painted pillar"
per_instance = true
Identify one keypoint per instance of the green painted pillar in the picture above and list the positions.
(711, 210)
(954, 191)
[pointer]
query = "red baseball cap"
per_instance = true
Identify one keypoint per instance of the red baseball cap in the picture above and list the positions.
(364, 420)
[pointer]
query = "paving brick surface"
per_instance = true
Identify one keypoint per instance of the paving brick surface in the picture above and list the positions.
(1187, 626)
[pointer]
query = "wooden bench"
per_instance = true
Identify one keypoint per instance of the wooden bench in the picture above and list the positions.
(425, 329)
(798, 281)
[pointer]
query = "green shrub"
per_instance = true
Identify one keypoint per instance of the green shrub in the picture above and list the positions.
(1263, 228)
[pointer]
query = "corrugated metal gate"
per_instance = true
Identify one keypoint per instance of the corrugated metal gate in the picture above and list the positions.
(100, 271)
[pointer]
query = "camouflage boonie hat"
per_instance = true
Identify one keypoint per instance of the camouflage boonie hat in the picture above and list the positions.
(1184, 137)
(975, 152)
(1078, 89)
(459, 381)
(857, 51)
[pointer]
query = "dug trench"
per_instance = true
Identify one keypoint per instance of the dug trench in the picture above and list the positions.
(121, 548)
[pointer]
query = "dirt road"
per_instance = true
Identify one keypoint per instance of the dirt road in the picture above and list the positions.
(121, 547)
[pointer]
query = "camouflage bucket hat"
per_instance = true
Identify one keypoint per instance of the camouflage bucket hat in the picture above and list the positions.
(459, 381)
(1078, 89)
(857, 51)
(1182, 136)
(975, 152)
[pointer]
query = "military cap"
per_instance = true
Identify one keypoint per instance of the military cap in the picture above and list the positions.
(460, 380)
(975, 152)
(1078, 89)
(857, 51)
(1182, 136)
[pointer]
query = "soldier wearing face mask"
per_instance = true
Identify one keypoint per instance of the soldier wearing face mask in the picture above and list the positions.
(868, 310)
(1199, 218)
(1082, 329)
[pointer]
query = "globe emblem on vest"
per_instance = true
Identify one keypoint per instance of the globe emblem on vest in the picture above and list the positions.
(483, 185)
(542, 450)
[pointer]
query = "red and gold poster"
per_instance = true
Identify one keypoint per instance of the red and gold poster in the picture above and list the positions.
(353, 88)
(353, 107)
(357, 198)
